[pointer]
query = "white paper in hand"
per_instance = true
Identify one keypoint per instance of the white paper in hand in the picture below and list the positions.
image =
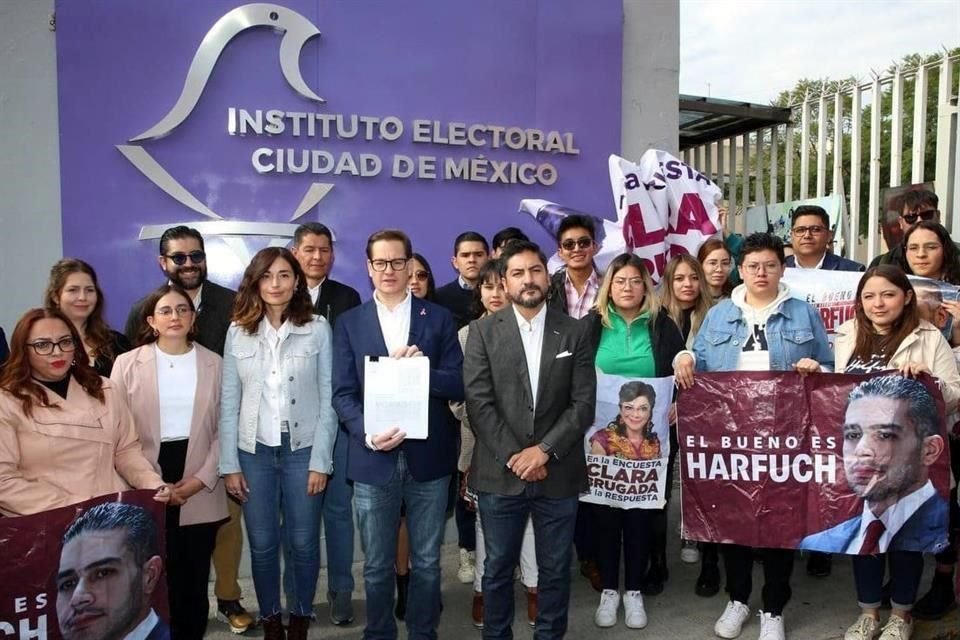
(396, 393)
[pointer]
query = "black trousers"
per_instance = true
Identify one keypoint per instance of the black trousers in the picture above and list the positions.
(189, 550)
(584, 533)
(627, 529)
(777, 569)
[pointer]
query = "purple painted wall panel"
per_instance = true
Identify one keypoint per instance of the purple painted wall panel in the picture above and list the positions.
(550, 65)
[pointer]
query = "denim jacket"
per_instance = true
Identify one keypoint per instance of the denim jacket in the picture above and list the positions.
(794, 331)
(306, 357)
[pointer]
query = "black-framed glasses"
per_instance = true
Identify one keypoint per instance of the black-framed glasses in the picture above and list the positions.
(814, 230)
(180, 258)
(396, 264)
(45, 347)
(570, 244)
(421, 276)
(927, 214)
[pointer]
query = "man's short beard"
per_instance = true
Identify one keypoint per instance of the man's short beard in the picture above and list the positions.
(904, 481)
(177, 280)
(529, 303)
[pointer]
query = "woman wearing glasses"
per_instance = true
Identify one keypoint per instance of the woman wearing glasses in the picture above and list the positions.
(929, 252)
(172, 385)
(277, 430)
(66, 434)
(717, 262)
(760, 328)
(74, 290)
(635, 338)
(422, 284)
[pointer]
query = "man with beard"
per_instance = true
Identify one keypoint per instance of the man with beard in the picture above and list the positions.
(184, 262)
(110, 566)
(891, 437)
(531, 391)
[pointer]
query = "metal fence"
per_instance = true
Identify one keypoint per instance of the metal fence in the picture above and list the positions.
(839, 148)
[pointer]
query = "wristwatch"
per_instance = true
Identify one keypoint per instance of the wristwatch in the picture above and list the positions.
(547, 448)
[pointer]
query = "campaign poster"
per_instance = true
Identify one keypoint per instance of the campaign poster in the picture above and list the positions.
(824, 462)
(777, 218)
(891, 205)
(628, 445)
(85, 571)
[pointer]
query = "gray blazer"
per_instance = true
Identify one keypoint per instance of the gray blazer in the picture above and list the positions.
(501, 409)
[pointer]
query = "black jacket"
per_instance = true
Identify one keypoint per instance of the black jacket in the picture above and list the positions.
(557, 296)
(118, 344)
(665, 338)
(456, 300)
(335, 298)
(216, 307)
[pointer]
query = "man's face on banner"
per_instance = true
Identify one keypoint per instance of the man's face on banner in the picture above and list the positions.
(883, 457)
(102, 594)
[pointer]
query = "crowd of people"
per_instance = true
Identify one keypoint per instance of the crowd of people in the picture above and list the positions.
(249, 406)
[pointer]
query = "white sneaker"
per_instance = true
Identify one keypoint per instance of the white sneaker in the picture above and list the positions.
(468, 561)
(771, 627)
(897, 629)
(606, 615)
(865, 628)
(689, 553)
(730, 624)
(635, 615)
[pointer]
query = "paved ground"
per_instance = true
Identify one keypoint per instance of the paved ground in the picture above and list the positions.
(821, 609)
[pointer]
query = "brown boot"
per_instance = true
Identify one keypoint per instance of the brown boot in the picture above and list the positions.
(477, 611)
(532, 606)
(273, 628)
(297, 629)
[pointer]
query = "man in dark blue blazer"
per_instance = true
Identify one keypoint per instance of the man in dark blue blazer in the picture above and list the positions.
(810, 239)
(891, 437)
(386, 468)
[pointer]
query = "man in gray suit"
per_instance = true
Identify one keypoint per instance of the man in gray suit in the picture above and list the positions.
(530, 389)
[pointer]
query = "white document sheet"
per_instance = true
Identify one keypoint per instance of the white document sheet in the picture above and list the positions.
(396, 393)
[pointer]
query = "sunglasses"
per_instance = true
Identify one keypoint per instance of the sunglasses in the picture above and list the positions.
(421, 276)
(911, 218)
(581, 243)
(180, 259)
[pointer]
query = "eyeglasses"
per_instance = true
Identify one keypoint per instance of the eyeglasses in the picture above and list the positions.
(421, 276)
(711, 265)
(623, 283)
(582, 243)
(928, 247)
(396, 265)
(180, 259)
(755, 268)
(45, 347)
(180, 309)
(813, 230)
(928, 214)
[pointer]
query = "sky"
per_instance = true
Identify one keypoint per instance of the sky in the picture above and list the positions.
(751, 50)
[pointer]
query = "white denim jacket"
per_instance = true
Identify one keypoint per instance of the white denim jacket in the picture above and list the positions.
(306, 357)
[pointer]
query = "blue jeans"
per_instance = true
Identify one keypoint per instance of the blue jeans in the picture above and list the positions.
(378, 515)
(906, 570)
(277, 478)
(337, 524)
(503, 519)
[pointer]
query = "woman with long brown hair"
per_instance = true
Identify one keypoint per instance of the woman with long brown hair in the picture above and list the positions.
(888, 333)
(717, 262)
(73, 289)
(66, 435)
(277, 430)
(172, 385)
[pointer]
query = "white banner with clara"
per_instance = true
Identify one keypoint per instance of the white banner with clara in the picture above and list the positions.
(396, 393)
(628, 445)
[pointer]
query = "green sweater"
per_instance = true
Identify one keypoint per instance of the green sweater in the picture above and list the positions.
(625, 349)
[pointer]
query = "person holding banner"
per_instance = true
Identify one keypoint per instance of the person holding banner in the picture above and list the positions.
(888, 333)
(277, 429)
(717, 261)
(172, 385)
(760, 328)
(66, 434)
(632, 336)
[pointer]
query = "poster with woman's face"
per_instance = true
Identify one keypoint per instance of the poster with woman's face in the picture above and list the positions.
(628, 445)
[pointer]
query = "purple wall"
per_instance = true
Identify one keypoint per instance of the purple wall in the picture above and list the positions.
(533, 64)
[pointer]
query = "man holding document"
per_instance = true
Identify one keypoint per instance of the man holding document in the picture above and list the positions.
(403, 437)
(531, 391)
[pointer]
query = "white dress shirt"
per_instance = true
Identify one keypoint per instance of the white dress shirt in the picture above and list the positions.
(273, 404)
(531, 334)
(893, 518)
(394, 323)
(315, 291)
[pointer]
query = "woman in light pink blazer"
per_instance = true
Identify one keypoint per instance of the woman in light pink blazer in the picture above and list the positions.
(172, 385)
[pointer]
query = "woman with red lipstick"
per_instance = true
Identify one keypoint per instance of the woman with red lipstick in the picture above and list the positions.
(887, 333)
(74, 290)
(66, 434)
(172, 385)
